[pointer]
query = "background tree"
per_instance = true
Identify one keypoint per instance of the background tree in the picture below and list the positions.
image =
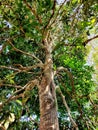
(42, 61)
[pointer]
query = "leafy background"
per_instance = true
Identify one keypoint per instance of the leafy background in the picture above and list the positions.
(71, 28)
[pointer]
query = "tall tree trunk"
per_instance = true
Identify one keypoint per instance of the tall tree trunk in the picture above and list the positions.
(47, 97)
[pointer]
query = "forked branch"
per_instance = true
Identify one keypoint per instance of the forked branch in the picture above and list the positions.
(21, 92)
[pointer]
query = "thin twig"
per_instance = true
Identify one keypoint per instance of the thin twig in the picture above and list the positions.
(53, 11)
(34, 121)
(58, 13)
(69, 74)
(33, 11)
(29, 67)
(10, 68)
(27, 87)
(23, 52)
(74, 15)
(22, 68)
(11, 85)
(67, 108)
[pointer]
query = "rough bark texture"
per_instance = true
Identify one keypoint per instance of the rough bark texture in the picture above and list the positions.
(48, 109)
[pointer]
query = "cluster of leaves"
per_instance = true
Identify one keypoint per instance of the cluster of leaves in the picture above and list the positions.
(23, 32)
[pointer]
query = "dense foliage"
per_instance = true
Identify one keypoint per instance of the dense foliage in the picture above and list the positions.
(23, 26)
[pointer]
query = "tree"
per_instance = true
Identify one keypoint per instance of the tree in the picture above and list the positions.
(42, 49)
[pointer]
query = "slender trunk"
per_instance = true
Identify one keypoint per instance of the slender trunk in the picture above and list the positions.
(48, 109)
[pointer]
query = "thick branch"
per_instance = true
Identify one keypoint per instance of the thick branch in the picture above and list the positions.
(68, 109)
(2, 127)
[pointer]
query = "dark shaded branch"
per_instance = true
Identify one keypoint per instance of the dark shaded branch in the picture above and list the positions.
(87, 41)
(53, 11)
(74, 45)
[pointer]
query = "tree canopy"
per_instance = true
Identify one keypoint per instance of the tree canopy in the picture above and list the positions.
(26, 26)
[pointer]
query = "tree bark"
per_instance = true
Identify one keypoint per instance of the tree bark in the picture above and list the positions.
(47, 97)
